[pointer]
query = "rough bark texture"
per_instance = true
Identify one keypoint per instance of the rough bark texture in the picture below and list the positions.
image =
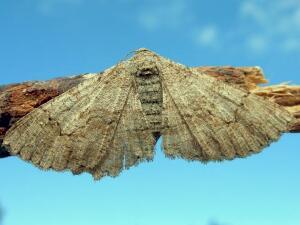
(17, 100)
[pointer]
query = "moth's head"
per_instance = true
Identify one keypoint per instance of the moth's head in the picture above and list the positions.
(146, 68)
(144, 63)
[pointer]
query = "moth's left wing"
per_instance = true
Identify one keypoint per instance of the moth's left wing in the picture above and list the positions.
(96, 127)
(207, 119)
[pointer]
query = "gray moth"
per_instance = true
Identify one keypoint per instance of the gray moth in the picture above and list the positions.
(112, 121)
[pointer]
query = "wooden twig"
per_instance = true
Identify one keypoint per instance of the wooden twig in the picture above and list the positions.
(17, 100)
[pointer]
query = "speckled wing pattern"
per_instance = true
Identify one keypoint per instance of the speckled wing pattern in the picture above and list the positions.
(97, 127)
(111, 122)
(209, 120)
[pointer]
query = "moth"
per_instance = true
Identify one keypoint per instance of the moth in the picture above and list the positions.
(112, 121)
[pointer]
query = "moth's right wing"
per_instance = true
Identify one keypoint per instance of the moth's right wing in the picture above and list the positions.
(209, 120)
(96, 127)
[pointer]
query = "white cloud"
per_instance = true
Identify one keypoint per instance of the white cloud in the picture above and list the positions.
(291, 45)
(46, 7)
(257, 44)
(254, 11)
(207, 36)
(275, 22)
(164, 14)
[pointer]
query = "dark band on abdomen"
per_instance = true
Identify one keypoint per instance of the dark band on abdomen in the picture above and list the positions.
(149, 89)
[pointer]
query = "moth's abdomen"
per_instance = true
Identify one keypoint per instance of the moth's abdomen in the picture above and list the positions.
(150, 94)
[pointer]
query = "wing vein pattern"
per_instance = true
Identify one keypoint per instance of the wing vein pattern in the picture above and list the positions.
(98, 127)
(224, 121)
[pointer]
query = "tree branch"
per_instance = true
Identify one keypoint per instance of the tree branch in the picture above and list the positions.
(16, 100)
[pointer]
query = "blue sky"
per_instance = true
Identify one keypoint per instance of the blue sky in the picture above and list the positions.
(43, 39)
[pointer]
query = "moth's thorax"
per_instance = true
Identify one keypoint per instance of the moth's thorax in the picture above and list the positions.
(149, 89)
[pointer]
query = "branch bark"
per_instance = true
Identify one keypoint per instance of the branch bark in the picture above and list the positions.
(16, 100)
